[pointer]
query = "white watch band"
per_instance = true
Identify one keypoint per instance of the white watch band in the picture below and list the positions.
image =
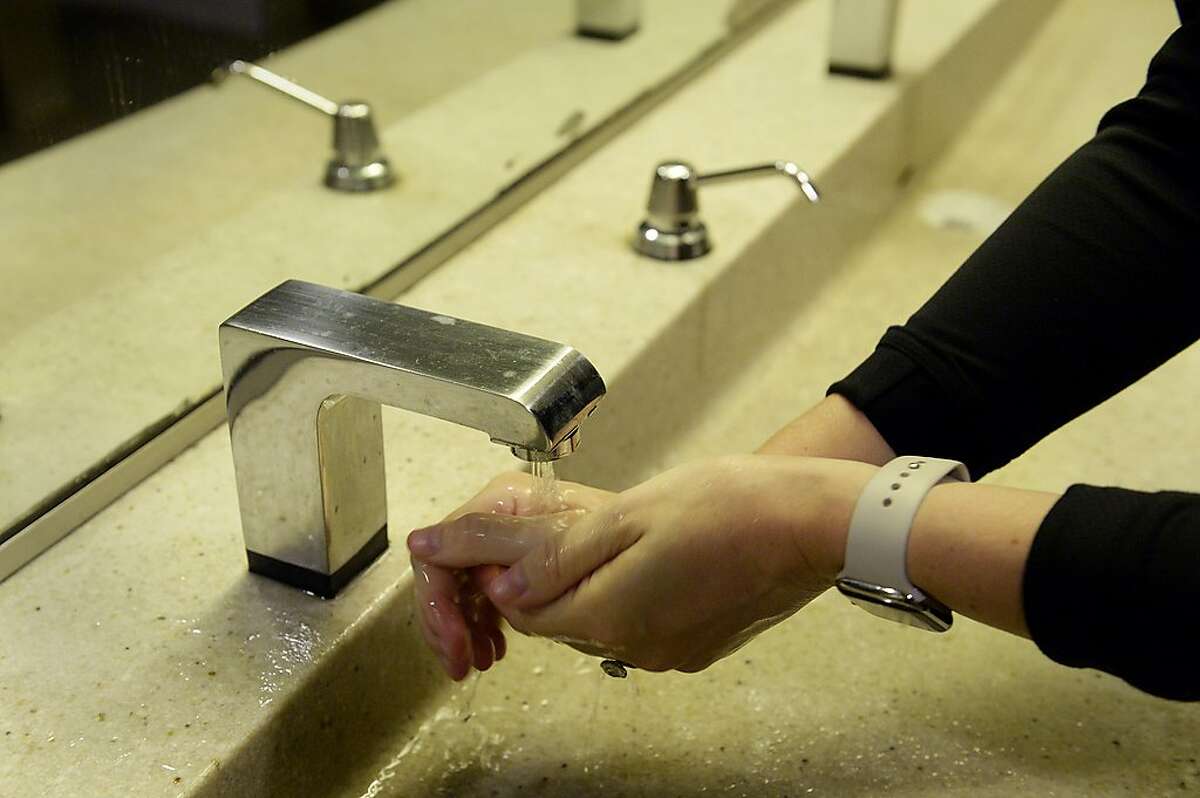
(877, 541)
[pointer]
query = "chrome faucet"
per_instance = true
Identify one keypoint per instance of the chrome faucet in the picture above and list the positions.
(358, 163)
(306, 368)
(672, 229)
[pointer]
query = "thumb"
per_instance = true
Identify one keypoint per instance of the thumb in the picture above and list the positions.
(482, 576)
(485, 538)
(556, 563)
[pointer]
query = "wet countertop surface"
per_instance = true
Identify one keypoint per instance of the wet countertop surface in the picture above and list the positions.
(140, 658)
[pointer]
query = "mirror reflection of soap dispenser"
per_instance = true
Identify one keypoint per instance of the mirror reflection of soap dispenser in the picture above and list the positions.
(607, 19)
(358, 163)
(860, 38)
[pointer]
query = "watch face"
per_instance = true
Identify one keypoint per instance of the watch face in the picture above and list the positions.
(923, 612)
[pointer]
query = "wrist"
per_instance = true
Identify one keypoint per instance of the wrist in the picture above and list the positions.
(815, 510)
(980, 574)
(843, 484)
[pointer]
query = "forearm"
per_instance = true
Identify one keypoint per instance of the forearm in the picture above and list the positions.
(969, 545)
(1096, 577)
(831, 428)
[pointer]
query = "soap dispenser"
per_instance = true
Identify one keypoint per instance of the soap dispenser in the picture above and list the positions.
(607, 19)
(860, 41)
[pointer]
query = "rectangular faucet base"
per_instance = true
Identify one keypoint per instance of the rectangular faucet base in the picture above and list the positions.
(882, 73)
(605, 33)
(315, 582)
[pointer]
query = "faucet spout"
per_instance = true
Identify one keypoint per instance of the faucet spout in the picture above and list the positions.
(306, 368)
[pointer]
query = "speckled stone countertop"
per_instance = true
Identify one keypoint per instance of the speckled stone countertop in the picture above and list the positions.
(139, 658)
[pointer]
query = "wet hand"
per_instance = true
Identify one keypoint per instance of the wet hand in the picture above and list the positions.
(459, 623)
(672, 574)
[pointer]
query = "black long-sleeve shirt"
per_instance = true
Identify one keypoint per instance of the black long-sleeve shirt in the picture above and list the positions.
(1092, 282)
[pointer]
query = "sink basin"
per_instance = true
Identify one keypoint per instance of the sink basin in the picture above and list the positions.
(203, 680)
(832, 701)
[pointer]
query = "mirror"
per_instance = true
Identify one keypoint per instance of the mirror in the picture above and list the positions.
(140, 204)
(70, 67)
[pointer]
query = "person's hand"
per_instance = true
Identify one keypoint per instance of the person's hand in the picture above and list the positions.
(457, 621)
(672, 574)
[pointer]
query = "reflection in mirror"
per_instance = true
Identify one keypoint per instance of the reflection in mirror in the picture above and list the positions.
(68, 66)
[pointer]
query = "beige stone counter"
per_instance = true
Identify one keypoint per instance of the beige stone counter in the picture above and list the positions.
(141, 659)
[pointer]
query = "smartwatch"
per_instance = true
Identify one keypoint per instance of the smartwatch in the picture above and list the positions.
(875, 574)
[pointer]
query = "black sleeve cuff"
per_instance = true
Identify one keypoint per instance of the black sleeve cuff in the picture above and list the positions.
(1021, 339)
(897, 390)
(1111, 583)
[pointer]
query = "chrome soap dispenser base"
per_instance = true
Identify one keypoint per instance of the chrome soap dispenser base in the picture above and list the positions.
(682, 243)
(358, 163)
(672, 229)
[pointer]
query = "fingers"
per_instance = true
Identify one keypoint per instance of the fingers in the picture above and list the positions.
(571, 622)
(499, 644)
(550, 553)
(459, 623)
(490, 625)
(442, 623)
(456, 563)
(558, 561)
(502, 495)
(514, 493)
(574, 496)
(483, 654)
(456, 619)
(483, 576)
(476, 539)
